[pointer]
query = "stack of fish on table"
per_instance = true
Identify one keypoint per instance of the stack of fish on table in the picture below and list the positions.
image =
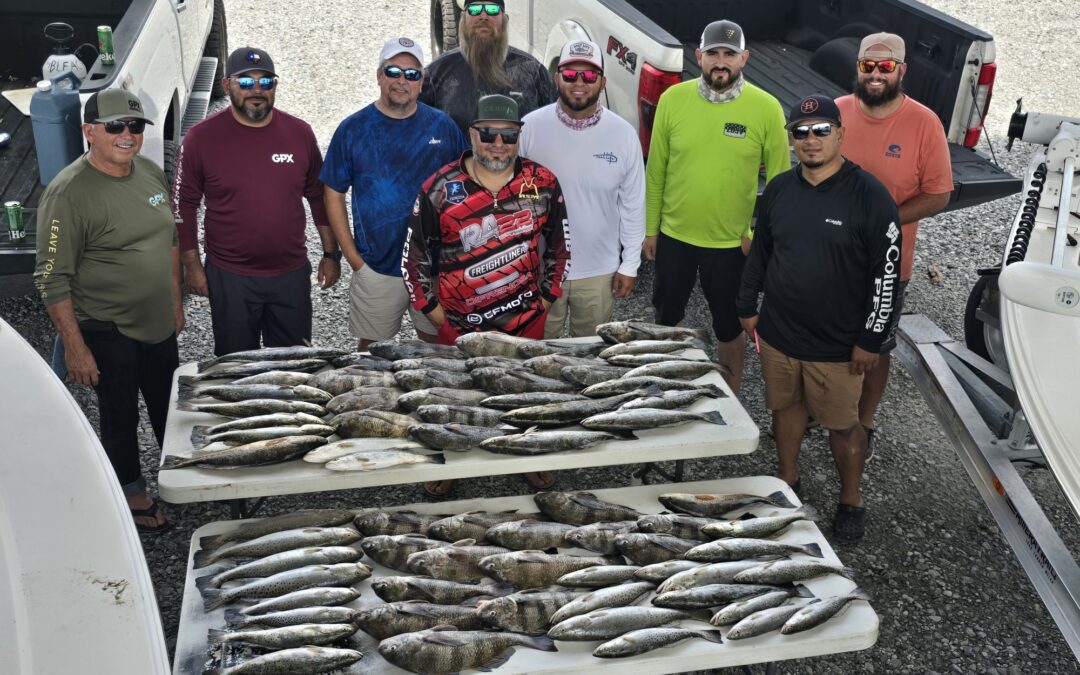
(462, 591)
(408, 402)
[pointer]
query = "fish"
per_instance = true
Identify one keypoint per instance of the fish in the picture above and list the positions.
(820, 611)
(441, 650)
(253, 407)
(612, 596)
(676, 398)
(648, 549)
(338, 382)
(373, 460)
(534, 382)
(301, 578)
(675, 524)
(625, 384)
(280, 562)
(740, 549)
(434, 362)
(490, 343)
(324, 596)
(716, 595)
(440, 395)
(282, 377)
(363, 398)
(551, 365)
(400, 589)
(493, 362)
(533, 569)
(259, 453)
(495, 381)
(413, 349)
(716, 506)
(375, 523)
(248, 368)
(662, 571)
(755, 528)
(611, 622)
(585, 376)
(566, 412)
(599, 576)
(524, 535)
(300, 660)
(528, 399)
(545, 442)
(703, 575)
(470, 415)
(762, 622)
(426, 378)
(263, 421)
(252, 529)
(293, 617)
(373, 424)
(647, 347)
(582, 508)
(790, 571)
(395, 618)
(599, 537)
(287, 637)
(636, 360)
(277, 542)
(361, 361)
(535, 348)
(647, 639)
(473, 524)
(201, 437)
(525, 611)
(455, 437)
(274, 354)
(648, 418)
(634, 329)
(456, 562)
(352, 446)
(392, 550)
(687, 369)
(245, 392)
(740, 609)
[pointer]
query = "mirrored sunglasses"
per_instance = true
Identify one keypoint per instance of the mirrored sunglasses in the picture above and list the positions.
(489, 8)
(821, 130)
(867, 66)
(116, 127)
(570, 75)
(488, 135)
(394, 72)
(265, 83)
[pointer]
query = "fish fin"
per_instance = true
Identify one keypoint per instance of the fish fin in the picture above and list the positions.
(848, 572)
(500, 589)
(214, 598)
(802, 591)
(199, 437)
(543, 643)
(216, 636)
(173, 462)
(808, 512)
(202, 559)
(778, 498)
(531, 430)
(234, 618)
(711, 636)
(409, 608)
(188, 379)
(437, 458)
(214, 541)
(185, 392)
(860, 594)
(624, 435)
(532, 556)
(746, 516)
(205, 582)
(813, 550)
(464, 542)
(652, 390)
(713, 417)
(699, 614)
(472, 602)
(203, 365)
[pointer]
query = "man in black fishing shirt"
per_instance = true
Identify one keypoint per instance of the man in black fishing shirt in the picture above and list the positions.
(826, 253)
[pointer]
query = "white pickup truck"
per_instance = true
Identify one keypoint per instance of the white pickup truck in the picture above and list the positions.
(171, 53)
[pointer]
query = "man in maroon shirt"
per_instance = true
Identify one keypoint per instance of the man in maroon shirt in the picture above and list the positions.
(253, 165)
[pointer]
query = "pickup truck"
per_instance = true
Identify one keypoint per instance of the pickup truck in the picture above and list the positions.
(797, 47)
(171, 53)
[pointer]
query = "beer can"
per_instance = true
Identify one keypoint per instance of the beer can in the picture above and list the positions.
(16, 230)
(105, 46)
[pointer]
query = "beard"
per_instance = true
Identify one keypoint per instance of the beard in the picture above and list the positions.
(578, 107)
(486, 54)
(713, 82)
(253, 114)
(491, 164)
(871, 99)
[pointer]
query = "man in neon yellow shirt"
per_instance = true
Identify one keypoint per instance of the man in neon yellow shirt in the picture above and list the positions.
(709, 140)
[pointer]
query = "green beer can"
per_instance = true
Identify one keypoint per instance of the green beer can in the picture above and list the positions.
(16, 229)
(105, 46)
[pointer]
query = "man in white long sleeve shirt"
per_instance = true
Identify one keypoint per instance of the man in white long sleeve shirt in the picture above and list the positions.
(596, 156)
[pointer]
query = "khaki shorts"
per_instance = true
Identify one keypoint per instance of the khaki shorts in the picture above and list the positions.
(588, 302)
(377, 303)
(828, 389)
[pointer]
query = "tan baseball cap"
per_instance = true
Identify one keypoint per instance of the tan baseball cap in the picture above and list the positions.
(113, 104)
(882, 46)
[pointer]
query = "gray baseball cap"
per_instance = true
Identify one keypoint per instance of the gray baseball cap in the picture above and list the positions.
(113, 104)
(723, 34)
(497, 108)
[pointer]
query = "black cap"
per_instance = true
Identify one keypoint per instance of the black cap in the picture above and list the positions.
(247, 59)
(497, 108)
(814, 107)
(723, 34)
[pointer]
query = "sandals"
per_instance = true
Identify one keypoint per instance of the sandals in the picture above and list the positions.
(439, 489)
(153, 512)
(540, 480)
(850, 522)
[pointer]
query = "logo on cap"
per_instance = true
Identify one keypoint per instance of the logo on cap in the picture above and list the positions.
(581, 49)
(729, 33)
(406, 42)
(253, 57)
(134, 105)
(809, 106)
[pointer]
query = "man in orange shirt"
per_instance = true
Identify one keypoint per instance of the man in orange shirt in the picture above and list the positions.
(903, 144)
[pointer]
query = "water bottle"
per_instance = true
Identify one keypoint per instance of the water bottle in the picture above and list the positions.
(62, 60)
(54, 114)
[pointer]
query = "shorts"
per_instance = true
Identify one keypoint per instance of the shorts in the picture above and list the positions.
(243, 309)
(588, 302)
(679, 265)
(377, 303)
(890, 342)
(827, 388)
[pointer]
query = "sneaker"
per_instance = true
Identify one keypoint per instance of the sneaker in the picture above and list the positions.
(850, 522)
(869, 443)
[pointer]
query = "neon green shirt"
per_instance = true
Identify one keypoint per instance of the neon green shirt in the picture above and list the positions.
(702, 176)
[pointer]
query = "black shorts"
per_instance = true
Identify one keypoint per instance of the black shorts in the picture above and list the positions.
(243, 309)
(679, 265)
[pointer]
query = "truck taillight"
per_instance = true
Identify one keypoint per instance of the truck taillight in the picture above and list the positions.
(653, 83)
(983, 91)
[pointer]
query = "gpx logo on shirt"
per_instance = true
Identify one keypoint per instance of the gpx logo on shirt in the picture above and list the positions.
(158, 199)
(282, 159)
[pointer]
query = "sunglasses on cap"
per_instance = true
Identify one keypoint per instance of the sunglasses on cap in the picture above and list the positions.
(570, 75)
(489, 8)
(265, 83)
(489, 134)
(116, 127)
(867, 66)
(394, 72)
(821, 130)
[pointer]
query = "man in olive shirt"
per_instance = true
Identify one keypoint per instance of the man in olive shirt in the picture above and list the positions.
(108, 270)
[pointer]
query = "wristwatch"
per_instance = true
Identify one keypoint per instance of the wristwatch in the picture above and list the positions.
(333, 255)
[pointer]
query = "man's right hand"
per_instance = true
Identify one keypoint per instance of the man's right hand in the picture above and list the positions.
(81, 366)
(437, 316)
(195, 278)
(355, 261)
(648, 247)
(749, 324)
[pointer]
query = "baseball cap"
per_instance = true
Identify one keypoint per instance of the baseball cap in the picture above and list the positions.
(892, 47)
(113, 104)
(247, 59)
(401, 45)
(497, 108)
(582, 51)
(814, 107)
(723, 34)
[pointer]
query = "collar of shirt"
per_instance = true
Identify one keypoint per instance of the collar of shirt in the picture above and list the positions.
(578, 124)
(713, 96)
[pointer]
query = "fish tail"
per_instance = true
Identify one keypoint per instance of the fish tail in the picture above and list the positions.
(217, 636)
(206, 583)
(203, 365)
(202, 559)
(235, 618)
(213, 541)
(802, 591)
(500, 589)
(717, 392)
(860, 594)
(813, 550)
(185, 391)
(188, 379)
(187, 406)
(199, 437)
(713, 417)
(541, 642)
(778, 498)
(711, 636)
(848, 572)
(173, 462)
(808, 512)
(437, 458)
(212, 599)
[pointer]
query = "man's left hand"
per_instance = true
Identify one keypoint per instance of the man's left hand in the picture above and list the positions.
(329, 272)
(863, 361)
(179, 319)
(622, 285)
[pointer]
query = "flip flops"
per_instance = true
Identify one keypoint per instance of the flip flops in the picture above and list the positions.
(439, 489)
(153, 512)
(540, 480)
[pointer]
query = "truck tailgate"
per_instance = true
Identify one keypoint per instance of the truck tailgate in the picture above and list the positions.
(18, 182)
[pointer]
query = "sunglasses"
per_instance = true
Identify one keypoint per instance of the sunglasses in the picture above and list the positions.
(411, 74)
(489, 134)
(821, 130)
(265, 83)
(570, 75)
(489, 8)
(116, 127)
(867, 66)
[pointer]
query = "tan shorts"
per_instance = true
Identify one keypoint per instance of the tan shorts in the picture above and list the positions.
(377, 303)
(828, 389)
(588, 302)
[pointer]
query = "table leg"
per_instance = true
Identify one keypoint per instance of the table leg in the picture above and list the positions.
(642, 473)
(238, 508)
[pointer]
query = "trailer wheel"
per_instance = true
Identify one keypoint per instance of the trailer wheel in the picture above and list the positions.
(170, 153)
(985, 339)
(217, 45)
(444, 23)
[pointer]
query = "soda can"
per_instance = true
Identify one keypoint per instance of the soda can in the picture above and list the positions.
(16, 230)
(105, 46)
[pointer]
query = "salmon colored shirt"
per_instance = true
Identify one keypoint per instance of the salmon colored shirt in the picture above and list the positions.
(907, 151)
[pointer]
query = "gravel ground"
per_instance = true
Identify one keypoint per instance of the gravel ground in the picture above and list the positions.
(947, 587)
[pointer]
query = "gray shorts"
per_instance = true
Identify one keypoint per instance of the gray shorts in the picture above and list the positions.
(377, 303)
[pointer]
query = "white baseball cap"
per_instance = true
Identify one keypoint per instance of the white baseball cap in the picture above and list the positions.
(582, 51)
(401, 45)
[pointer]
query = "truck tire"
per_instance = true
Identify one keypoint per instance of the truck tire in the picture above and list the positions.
(982, 338)
(217, 45)
(171, 152)
(444, 23)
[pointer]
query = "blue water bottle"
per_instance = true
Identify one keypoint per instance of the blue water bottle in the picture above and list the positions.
(54, 113)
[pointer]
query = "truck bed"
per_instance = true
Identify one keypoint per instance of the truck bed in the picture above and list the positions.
(18, 182)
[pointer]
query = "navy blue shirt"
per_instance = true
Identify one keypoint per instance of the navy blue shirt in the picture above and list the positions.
(385, 161)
